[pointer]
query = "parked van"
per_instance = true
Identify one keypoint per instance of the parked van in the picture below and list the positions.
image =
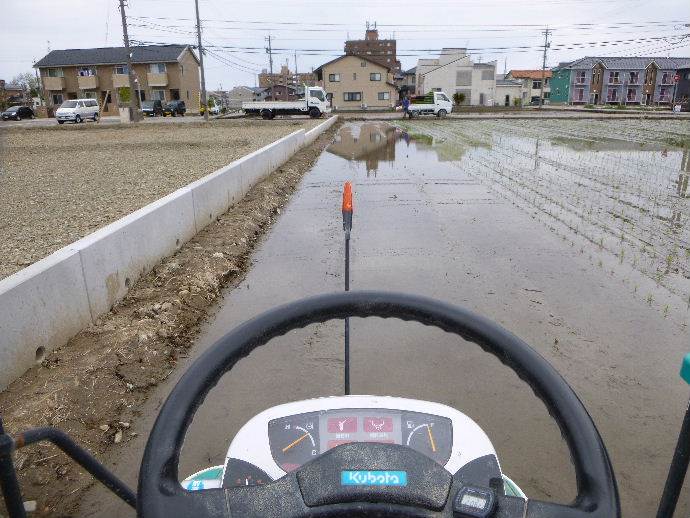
(77, 110)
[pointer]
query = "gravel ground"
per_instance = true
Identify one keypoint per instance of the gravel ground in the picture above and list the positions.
(58, 185)
(93, 387)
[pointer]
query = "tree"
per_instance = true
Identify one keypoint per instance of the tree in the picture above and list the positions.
(459, 98)
(29, 83)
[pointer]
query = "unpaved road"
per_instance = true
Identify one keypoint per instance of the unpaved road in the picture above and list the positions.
(426, 222)
(58, 184)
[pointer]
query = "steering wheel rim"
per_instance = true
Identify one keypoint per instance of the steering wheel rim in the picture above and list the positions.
(159, 490)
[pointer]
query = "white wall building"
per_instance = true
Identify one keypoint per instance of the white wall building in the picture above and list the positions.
(454, 72)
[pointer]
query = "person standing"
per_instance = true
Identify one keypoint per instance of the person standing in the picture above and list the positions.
(406, 106)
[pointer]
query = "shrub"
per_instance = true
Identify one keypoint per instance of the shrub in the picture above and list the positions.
(459, 98)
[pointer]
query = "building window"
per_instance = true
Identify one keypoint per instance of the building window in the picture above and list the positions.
(354, 76)
(384, 96)
(536, 84)
(334, 78)
(634, 78)
(632, 95)
(55, 72)
(181, 70)
(666, 78)
(88, 95)
(580, 77)
(121, 69)
(188, 95)
(157, 68)
(463, 78)
(664, 97)
(352, 96)
(487, 75)
(86, 72)
(375, 76)
(158, 94)
(614, 78)
(579, 94)
(612, 95)
(362, 64)
(57, 99)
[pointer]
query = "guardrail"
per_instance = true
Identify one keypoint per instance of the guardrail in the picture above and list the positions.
(47, 303)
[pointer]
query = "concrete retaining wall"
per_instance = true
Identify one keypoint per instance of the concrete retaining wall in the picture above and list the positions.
(46, 304)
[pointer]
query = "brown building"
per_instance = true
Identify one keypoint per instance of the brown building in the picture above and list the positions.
(371, 47)
(286, 77)
(356, 82)
(162, 72)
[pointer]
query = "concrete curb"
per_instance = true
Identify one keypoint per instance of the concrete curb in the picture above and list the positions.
(44, 305)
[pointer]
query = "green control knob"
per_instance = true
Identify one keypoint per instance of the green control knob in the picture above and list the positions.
(685, 369)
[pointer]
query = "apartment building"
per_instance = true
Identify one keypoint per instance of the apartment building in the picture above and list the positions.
(164, 72)
(380, 51)
(623, 80)
(455, 72)
(286, 77)
(357, 82)
(531, 84)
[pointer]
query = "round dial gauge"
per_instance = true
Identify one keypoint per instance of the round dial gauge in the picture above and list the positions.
(294, 440)
(428, 434)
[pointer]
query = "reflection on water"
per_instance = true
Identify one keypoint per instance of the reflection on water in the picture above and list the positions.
(375, 143)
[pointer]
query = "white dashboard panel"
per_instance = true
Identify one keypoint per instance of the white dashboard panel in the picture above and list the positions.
(252, 444)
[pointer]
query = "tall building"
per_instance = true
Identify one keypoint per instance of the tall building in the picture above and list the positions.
(285, 77)
(371, 47)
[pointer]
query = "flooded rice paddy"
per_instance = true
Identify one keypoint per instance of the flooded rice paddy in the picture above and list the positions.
(620, 185)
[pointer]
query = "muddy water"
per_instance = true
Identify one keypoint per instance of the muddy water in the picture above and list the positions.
(428, 220)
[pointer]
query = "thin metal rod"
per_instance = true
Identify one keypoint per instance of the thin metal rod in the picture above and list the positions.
(9, 485)
(347, 319)
(677, 471)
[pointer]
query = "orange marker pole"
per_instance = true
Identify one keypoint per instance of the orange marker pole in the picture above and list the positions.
(347, 227)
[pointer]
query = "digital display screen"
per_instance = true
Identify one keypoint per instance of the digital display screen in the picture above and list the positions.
(473, 500)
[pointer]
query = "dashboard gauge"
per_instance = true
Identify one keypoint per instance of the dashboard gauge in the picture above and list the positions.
(294, 440)
(428, 434)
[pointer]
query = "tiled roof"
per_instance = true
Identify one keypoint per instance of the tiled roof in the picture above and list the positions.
(111, 56)
(630, 63)
(529, 74)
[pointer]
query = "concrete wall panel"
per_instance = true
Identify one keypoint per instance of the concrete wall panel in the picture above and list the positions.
(41, 307)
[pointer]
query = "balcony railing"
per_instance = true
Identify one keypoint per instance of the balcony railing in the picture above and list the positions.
(664, 98)
(580, 80)
(614, 82)
(157, 79)
(87, 82)
(120, 80)
(631, 99)
(53, 83)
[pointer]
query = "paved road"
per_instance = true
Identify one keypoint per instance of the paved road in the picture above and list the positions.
(424, 225)
(37, 123)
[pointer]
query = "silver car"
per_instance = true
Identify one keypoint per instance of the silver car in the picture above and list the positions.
(77, 110)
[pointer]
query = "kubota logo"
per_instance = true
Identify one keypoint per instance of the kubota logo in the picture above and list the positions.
(373, 478)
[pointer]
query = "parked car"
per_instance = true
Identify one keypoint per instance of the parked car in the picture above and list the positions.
(152, 108)
(18, 113)
(175, 108)
(77, 110)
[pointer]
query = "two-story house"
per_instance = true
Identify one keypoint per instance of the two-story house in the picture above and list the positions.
(454, 72)
(623, 80)
(532, 84)
(163, 72)
(356, 82)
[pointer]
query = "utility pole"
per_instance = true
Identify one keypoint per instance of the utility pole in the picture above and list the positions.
(546, 34)
(201, 61)
(133, 113)
(269, 51)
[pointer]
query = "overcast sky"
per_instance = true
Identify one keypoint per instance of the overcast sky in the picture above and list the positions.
(501, 30)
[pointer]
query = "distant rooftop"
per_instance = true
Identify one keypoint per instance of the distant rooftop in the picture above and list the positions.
(529, 74)
(630, 63)
(111, 56)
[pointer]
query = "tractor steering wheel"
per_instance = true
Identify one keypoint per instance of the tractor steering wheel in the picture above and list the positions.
(314, 489)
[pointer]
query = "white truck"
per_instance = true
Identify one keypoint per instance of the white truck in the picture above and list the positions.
(441, 105)
(313, 104)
